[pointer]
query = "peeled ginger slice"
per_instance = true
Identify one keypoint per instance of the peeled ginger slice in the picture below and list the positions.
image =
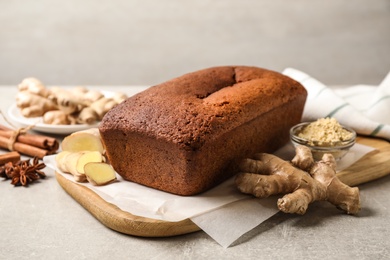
(87, 157)
(99, 173)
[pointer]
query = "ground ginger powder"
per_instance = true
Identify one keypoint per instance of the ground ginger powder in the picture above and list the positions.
(325, 132)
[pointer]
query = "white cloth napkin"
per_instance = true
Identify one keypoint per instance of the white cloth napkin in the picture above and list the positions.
(366, 109)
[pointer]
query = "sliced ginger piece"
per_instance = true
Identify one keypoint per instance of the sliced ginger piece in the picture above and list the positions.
(86, 140)
(67, 162)
(99, 173)
(88, 157)
(74, 162)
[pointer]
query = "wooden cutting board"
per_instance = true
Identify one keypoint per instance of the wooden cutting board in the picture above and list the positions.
(372, 166)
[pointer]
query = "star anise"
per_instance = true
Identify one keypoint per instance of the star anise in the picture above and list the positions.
(23, 172)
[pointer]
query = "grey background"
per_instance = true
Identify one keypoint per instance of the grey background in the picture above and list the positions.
(144, 42)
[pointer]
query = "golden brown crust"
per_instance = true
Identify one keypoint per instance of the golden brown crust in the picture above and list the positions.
(182, 136)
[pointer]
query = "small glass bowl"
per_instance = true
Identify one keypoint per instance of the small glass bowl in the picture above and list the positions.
(338, 150)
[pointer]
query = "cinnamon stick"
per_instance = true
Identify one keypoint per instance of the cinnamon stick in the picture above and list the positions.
(13, 157)
(25, 148)
(44, 142)
(29, 144)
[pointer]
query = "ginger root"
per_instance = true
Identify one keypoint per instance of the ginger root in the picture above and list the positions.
(34, 86)
(85, 140)
(33, 105)
(302, 180)
(78, 105)
(58, 117)
(102, 106)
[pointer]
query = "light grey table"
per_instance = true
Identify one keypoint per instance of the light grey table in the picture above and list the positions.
(44, 222)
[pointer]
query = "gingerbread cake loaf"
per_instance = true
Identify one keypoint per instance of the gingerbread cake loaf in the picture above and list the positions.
(186, 135)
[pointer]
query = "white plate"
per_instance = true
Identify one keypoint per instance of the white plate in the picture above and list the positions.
(15, 115)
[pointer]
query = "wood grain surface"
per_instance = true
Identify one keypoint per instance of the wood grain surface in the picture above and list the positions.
(372, 166)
